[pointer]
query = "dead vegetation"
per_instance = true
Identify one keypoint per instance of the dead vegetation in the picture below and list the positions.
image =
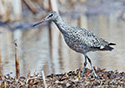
(71, 79)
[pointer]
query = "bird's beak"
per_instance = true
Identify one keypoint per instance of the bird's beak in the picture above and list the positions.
(38, 23)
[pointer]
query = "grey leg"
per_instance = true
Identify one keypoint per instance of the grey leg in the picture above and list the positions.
(85, 63)
(91, 65)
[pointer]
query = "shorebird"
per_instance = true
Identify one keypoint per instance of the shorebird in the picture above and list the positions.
(80, 40)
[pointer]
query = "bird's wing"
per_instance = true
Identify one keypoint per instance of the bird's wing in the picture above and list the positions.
(91, 40)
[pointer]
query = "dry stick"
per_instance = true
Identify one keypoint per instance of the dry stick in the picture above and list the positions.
(50, 42)
(0, 66)
(50, 6)
(44, 80)
(4, 12)
(35, 74)
(51, 69)
(17, 60)
(17, 9)
(53, 6)
(41, 4)
(30, 5)
(28, 75)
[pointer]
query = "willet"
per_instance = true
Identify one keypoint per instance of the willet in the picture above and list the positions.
(80, 40)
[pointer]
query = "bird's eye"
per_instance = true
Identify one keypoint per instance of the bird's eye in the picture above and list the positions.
(51, 15)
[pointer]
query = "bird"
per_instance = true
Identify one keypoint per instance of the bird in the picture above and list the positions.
(78, 39)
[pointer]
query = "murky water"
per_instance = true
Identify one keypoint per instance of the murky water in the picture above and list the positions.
(38, 50)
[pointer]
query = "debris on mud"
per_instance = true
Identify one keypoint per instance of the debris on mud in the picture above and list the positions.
(67, 80)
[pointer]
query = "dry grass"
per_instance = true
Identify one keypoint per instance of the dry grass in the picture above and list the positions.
(67, 80)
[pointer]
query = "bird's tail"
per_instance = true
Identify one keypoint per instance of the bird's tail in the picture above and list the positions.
(108, 47)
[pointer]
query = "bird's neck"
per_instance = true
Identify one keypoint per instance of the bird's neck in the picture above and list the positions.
(61, 24)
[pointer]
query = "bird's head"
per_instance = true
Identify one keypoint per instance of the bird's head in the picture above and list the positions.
(51, 16)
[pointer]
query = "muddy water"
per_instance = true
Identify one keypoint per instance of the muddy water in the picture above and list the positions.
(38, 50)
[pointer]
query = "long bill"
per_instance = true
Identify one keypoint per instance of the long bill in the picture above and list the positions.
(38, 23)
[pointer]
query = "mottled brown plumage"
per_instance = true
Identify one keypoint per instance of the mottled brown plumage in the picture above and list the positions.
(80, 40)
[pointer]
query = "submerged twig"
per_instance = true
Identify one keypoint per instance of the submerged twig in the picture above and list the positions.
(17, 59)
(0, 65)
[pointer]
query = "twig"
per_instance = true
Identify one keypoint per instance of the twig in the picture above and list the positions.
(54, 5)
(17, 59)
(28, 75)
(0, 66)
(30, 5)
(44, 81)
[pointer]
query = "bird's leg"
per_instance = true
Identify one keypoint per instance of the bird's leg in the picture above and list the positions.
(85, 63)
(91, 65)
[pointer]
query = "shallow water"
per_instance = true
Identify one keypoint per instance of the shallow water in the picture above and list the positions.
(38, 51)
